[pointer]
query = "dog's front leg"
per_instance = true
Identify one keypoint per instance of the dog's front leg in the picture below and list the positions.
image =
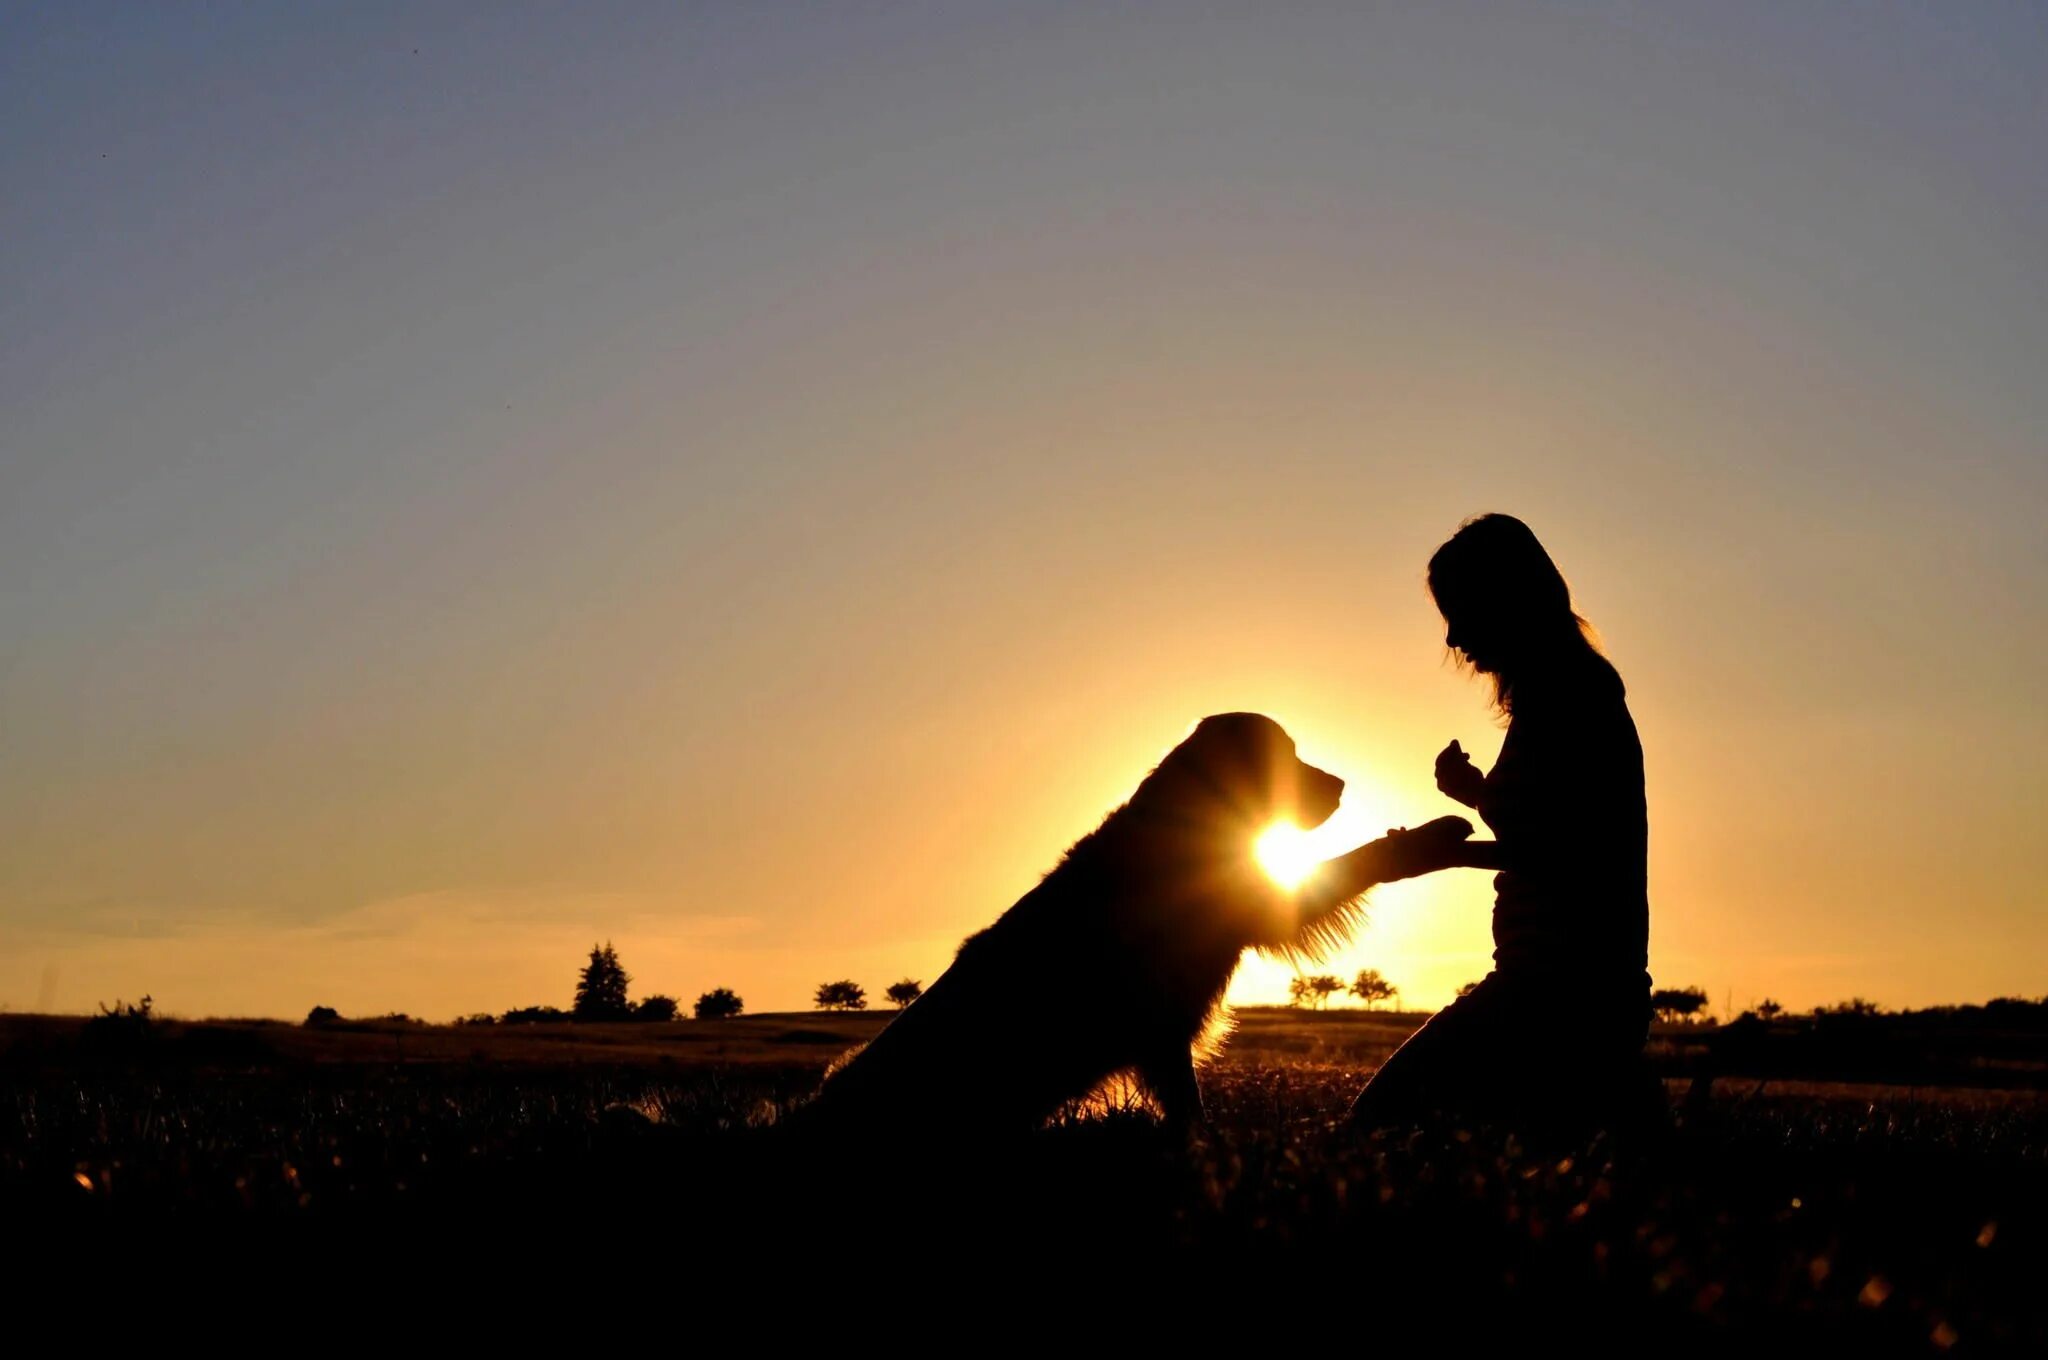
(1171, 1075)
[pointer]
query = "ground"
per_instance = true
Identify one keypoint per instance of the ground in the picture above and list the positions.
(1781, 1207)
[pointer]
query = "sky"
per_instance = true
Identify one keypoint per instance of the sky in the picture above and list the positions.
(754, 482)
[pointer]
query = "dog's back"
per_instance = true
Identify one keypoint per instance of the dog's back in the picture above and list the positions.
(1032, 1012)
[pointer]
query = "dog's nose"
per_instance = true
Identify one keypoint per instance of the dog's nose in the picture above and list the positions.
(1331, 787)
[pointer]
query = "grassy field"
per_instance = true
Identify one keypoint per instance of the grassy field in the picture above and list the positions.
(1781, 1206)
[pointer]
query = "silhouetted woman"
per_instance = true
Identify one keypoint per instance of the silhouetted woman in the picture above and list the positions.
(1554, 1034)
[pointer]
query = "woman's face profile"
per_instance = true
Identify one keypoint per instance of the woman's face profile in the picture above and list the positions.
(1471, 633)
(1468, 642)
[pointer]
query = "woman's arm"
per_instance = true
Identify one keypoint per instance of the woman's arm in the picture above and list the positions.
(1478, 855)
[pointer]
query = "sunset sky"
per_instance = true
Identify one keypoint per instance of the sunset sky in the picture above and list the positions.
(754, 482)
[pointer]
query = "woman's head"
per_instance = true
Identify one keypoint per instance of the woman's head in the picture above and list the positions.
(1507, 610)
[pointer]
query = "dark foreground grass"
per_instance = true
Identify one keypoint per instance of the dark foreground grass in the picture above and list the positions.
(1888, 1220)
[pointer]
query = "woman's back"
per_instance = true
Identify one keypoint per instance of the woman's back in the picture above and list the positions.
(1565, 800)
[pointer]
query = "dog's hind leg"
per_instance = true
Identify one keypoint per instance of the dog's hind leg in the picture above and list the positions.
(1170, 1074)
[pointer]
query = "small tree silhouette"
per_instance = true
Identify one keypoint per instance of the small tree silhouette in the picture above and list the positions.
(1678, 1003)
(322, 1015)
(1316, 989)
(601, 989)
(1769, 1009)
(902, 993)
(1468, 989)
(657, 1008)
(120, 1029)
(1372, 989)
(720, 1003)
(844, 995)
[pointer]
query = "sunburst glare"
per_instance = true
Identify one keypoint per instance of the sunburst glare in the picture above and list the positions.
(1287, 854)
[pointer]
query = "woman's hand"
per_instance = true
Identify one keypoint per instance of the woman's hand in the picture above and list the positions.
(1457, 778)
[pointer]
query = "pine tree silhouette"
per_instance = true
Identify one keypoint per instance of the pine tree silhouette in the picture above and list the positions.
(601, 989)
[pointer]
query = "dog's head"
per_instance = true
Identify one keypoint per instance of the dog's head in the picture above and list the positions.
(1237, 774)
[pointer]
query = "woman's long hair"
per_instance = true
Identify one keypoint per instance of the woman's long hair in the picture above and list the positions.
(1493, 579)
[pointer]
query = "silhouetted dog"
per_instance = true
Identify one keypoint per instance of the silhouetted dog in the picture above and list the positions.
(1117, 961)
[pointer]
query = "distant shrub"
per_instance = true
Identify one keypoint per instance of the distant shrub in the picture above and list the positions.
(1468, 989)
(1678, 1003)
(479, 1018)
(1855, 1007)
(398, 1018)
(322, 1015)
(844, 995)
(120, 1030)
(534, 1015)
(720, 1003)
(2017, 1010)
(902, 993)
(657, 1008)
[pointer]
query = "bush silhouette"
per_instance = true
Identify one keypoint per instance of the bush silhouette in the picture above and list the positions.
(120, 1031)
(534, 1015)
(844, 995)
(902, 993)
(322, 1015)
(657, 1008)
(601, 987)
(1678, 1003)
(720, 1003)
(479, 1018)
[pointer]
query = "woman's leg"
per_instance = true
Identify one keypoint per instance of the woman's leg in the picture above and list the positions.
(1543, 1053)
(1453, 1063)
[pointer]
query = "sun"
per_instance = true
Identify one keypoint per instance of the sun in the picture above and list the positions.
(1287, 854)
(1290, 856)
